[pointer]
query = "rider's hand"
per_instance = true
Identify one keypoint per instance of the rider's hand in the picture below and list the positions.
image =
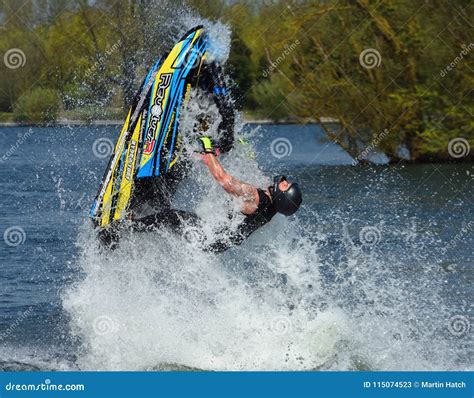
(207, 146)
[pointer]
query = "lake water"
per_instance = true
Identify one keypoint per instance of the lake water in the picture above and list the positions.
(374, 272)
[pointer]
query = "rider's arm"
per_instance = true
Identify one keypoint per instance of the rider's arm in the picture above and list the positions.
(232, 185)
(213, 81)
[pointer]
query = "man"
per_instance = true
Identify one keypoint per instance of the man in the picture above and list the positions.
(258, 205)
(154, 194)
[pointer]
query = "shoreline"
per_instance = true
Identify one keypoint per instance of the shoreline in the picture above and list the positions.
(63, 122)
(118, 122)
(111, 122)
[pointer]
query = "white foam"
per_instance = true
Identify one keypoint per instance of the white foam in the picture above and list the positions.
(159, 300)
(219, 36)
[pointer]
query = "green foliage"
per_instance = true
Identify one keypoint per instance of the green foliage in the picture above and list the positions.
(455, 122)
(242, 71)
(270, 94)
(39, 106)
(6, 117)
(289, 59)
(419, 90)
(90, 113)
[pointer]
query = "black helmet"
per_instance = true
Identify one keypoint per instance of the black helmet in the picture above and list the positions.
(285, 202)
